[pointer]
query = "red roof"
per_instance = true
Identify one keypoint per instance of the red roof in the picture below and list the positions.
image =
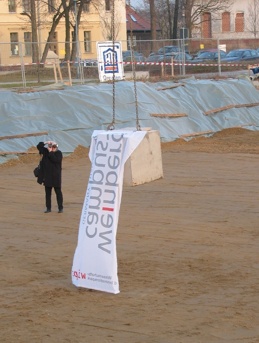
(135, 22)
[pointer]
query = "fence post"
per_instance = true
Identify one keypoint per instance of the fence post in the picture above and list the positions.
(162, 69)
(22, 65)
(219, 59)
(69, 73)
(172, 66)
(55, 72)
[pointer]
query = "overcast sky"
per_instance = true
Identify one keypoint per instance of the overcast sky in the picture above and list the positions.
(135, 3)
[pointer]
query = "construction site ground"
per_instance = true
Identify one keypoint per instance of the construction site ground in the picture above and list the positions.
(187, 246)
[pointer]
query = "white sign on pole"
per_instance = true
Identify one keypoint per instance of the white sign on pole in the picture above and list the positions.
(110, 61)
(222, 47)
(95, 259)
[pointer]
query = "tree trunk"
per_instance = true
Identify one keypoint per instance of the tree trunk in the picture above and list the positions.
(55, 22)
(75, 44)
(175, 26)
(67, 28)
(169, 18)
(34, 36)
(153, 24)
(188, 15)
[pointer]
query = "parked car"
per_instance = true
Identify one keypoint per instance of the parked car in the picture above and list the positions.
(166, 50)
(205, 50)
(195, 55)
(89, 62)
(176, 57)
(241, 55)
(84, 63)
(169, 49)
(138, 56)
(210, 55)
(153, 58)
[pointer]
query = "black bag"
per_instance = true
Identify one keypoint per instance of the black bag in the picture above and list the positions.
(36, 171)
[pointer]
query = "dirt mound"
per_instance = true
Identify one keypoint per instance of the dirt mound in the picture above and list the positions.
(233, 140)
(32, 155)
(234, 131)
(79, 152)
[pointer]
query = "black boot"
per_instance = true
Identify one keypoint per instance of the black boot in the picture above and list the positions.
(48, 210)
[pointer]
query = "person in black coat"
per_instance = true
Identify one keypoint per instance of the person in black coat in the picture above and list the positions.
(50, 172)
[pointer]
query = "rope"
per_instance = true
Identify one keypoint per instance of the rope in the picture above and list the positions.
(111, 126)
(134, 76)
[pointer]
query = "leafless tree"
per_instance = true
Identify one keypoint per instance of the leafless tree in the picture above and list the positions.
(193, 10)
(31, 14)
(59, 9)
(187, 13)
(253, 16)
(164, 15)
(110, 25)
(66, 7)
(72, 11)
(175, 23)
(153, 22)
(34, 18)
(55, 21)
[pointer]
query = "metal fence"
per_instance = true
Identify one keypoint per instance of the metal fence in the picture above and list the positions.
(151, 59)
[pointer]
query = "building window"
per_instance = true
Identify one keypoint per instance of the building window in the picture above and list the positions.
(86, 6)
(51, 6)
(206, 25)
(12, 5)
(133, 18)
(14, 43)
(87, 41)
(53, 45)
(239, 22)
(27, 43)
(132, 41)
(107, 5)
(26, 5)
(226, 22)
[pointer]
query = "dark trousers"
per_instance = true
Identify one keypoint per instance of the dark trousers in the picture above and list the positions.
(59, 197)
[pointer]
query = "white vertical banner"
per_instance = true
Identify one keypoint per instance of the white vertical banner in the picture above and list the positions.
(95, 259)
(110, 61)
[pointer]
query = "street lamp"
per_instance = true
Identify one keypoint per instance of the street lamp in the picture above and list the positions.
(39, 28)
(76, 39)
(79, 68)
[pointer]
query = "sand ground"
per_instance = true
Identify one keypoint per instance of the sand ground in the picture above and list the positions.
(188, 251)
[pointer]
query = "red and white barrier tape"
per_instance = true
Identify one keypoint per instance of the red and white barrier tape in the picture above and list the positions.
(139, 63)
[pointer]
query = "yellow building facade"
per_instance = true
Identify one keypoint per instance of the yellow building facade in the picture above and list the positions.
(95, 25)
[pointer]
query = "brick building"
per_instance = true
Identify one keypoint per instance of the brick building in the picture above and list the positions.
(240, 21)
